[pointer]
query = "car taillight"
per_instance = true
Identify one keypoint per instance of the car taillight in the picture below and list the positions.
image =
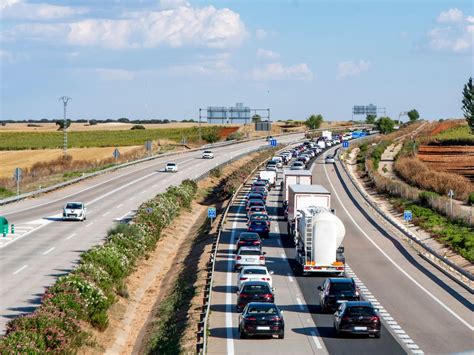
(239, 257)
(241, 242)
(243, 278)
(275, 319)
(251, 318)
(256, 243)
(243, 295)
(262, 257)
(347, 319)
(267, 295)
(250, 228)
(374, 319)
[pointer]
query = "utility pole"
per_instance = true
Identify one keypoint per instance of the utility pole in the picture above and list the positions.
(200, 135)
(65, 100)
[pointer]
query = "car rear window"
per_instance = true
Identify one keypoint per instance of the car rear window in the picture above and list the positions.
(248, 237)
(255, 272)
(249, 252)
(74, 206)
(360, 311)
(256, 289)
(262, 310)
(258, 223)
(341, 287)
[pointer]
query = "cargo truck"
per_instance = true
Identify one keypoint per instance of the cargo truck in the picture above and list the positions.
(318, 242)
(295, 177)
(302, 196)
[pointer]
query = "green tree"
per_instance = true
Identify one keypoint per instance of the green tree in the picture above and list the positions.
(370, 119)
(468, 103)
(60, 123)
(385, 125)
(314, 121)
(211, 137)
(413, 115)
(256, 118)
(123, 120)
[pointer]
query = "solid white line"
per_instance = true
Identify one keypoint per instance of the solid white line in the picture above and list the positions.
(106, 213)
(154, 185)
(436, 299)
(290, 278)
(20, 269)
(90, 224)
(25, 234)
(125, 215)
(72, 235)
(300, 304)
(48, 251)
(316, 340)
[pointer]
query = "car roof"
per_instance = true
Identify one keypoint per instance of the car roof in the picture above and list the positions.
(262, 304)
(248, 234)
(170, 163)
(256, 283)
(259, 267)
(249, 248)
(74, 202)
(340, 280)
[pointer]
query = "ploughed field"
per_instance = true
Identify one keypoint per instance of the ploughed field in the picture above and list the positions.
(451, 159)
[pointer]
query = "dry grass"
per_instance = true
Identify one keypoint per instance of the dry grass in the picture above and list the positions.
(418, 174)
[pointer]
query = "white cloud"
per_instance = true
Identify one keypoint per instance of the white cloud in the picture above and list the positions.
(115, 74)
(352, 68)
(451, 15)
(276, 71)
(266, 54)
(19, 10)
(172, 4)
(261, 34)
(205, 27)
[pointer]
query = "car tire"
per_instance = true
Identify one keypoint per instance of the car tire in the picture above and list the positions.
(377, 335)
(282, 335)
(242, 335)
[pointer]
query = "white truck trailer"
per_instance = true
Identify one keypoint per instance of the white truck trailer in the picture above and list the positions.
(295, 177)
(269, 175)
(318, 246)
(302, 196)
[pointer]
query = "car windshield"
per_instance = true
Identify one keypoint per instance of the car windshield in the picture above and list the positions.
(258, 223)
(249, 237)
(171, 164)
(207, 152)
(249, 252)
(262, 310)
(360, 311)
(341, 287)
(74, 206)
(253, 289)
(254, 272)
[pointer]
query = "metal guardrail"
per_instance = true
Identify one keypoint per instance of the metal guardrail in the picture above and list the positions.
(450, 269)
(201, 345)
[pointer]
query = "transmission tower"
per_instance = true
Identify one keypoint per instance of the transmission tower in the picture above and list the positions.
(65, 100)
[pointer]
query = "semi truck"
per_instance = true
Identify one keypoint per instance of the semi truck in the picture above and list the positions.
(318, 241)
(302, 196)
(295, 177)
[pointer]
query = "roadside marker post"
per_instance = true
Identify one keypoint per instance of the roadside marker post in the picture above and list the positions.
(211, 213)
(18, 177)
(116, 154)
(4, 225)
(407, 216)
(13, 229)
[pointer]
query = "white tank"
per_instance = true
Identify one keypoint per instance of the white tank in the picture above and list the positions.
(328, 233)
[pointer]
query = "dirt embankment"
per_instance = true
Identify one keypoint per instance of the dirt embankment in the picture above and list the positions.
(132, 319)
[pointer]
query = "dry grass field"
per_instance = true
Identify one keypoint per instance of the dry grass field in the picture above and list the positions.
(450, 159)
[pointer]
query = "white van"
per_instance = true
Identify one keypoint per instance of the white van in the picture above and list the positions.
(268, 175)
(279, 161)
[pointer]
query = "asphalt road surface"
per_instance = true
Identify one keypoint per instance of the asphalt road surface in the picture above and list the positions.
(44, 247)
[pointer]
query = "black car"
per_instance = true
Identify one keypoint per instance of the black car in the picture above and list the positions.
(260, 190)
(260, 227)
(254, 291)
(357, 317)
(335, 291)
(260, 318)
(247, 239)
(263, 183)
(255, 202)
(256, 196)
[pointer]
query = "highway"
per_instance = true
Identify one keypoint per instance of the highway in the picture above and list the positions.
(422, 310)
(44, 247)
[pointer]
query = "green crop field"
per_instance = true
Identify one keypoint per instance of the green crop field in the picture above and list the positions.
(459, 133)
(47, 140)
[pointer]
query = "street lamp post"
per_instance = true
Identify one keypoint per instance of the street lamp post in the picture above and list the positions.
(65, 100)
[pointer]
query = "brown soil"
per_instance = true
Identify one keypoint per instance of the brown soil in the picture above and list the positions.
(226, 131)
(443, 126)
(450, 159)
(130, 320)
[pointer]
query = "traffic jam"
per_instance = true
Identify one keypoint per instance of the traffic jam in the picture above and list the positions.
(307, 209)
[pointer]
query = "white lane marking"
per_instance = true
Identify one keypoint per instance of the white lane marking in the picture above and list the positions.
(300, 304)
(20, 269)
(72, 235)
(228, 296)
(433, 297)
(45, 223)
(316, 340)
(290, 278)
(120, 205)
(131, 198)
(279, 242)
(48, 251)
(154, 185)
(125, 215)
(90, 224)
(283, 256)
(106, 213)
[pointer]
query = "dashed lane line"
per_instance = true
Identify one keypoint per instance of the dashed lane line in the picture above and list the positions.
(71, 236)
(20, 269)
(48, 251)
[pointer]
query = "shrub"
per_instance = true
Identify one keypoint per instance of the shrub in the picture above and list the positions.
(470, 199)
(216, 172)
(236, 135)
(426, 196)
(211, 137)
(378, 151)
(137, 126)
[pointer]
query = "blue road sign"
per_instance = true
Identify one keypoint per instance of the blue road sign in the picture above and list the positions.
(345, 144)
(273, 142)
(407, 215)
(211, 212)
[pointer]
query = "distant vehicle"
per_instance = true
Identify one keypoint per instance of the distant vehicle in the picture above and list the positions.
(254, 291)
(336, 290)
(74, 211)
(207, 154)
(247, 239)
(357, 317)
(261, 319)
(256, 209)
(249, 256)
(298, 165)
(268, 175)
(255, 202)
(330, 159)
(255, 196)
(271, 167)
(278, 160)
(260, 227)
(171, 168)
(259, 190)
(259, 217)
(254, 273)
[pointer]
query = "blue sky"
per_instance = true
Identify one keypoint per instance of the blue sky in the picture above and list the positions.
(166, 59)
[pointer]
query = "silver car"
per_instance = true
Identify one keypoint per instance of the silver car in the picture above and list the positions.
(297, 165)
(249, 256)
(75, 211)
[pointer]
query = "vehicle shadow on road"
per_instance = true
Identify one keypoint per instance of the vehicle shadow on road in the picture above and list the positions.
(33, 303)
(324, 332)
(223, 308)
(221, 332)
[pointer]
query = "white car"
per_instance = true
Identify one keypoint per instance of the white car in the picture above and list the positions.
(254, 273)
(249, 256)
(330, 159)
(207, 154)
(75, 211)
(171, 167)
(278, 161)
